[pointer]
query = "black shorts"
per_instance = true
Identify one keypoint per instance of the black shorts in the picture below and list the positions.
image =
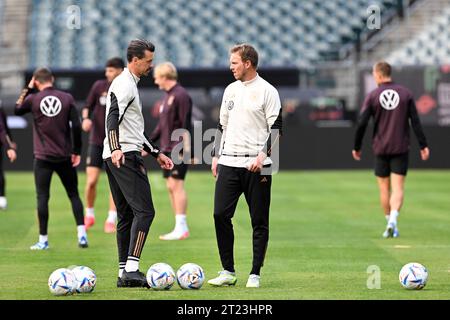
(385, 164)
(178, 171)
(94, 156)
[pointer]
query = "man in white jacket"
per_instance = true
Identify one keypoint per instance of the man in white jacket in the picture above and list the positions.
(250, 119)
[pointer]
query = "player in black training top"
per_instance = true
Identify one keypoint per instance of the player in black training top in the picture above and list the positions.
(56, 147)
(174, 114)
(393, 108)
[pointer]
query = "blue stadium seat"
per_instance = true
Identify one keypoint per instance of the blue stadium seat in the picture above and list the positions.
(429, 47)
(194, 33)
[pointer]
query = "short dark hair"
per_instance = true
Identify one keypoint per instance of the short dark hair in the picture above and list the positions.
(137, 48)
(43, 75)
(115, 62)
(383, 68)
(247, 53)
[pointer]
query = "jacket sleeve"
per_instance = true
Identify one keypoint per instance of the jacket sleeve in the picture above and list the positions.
(76, 128)
(24, 102)
(273, 112)
(9, 142)
(415, 123)
(118, 99)
(219, 140)
(150, 146)
(5, 139)
(363, 121)
(91, 100)
(156, 133)
(184, 114)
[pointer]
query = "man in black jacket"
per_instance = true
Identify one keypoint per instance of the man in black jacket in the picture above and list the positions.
(56, 124)
(392, 107)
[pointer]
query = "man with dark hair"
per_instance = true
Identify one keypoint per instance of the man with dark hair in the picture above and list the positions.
(392, 107)
(174, 114)
(250, 116)
(125, 139)
(56, 123)
(5, 143)
(138, 48)
(94, 122)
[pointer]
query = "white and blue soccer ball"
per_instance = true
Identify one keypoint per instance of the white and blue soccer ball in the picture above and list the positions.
(85, 279)
(62, 282)
(190, 276)
(413, 276)
(160, 276)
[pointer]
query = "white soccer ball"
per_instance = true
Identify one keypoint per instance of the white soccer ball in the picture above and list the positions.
(85, 279)
(190, 276)
(160, 276)
(413, 276)
(62, 282)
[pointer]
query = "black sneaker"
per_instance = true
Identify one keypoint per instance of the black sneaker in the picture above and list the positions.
(134, 279)
(120, 283)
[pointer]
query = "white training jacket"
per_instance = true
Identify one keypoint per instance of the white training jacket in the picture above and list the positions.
(248, 113)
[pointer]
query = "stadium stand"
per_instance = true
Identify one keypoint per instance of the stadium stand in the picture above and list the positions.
(13, 43)
(2, 12)
(329, 43)
(429, 47)
(287, 33)
(419, 38)
(318, 37)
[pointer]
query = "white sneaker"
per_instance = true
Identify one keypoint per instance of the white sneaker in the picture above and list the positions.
(3, 203)
(396, 233)
(40, 246)
(225, 278)
(175, 235)
(253, 281)
(83, 242)
(389, 232)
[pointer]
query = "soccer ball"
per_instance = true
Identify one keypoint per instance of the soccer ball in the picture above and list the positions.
(160, 276)
(413, 276)
(190, 276)
(62, 282)
(85, 279)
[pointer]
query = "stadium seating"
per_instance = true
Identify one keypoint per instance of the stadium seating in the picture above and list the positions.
(195, 33)
(429, 47)
(1, 20)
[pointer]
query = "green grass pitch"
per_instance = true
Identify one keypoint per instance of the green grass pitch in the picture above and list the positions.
(325, 231)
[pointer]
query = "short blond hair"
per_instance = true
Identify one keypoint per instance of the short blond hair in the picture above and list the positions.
(383, 68)
(167, 69)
